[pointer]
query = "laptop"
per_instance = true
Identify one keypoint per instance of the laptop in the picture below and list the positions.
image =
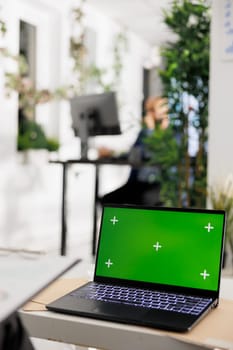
(157, 267)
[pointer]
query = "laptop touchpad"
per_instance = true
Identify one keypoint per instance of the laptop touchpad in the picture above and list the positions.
(118, 311)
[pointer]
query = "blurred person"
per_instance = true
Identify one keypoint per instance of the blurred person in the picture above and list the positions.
(142, 186)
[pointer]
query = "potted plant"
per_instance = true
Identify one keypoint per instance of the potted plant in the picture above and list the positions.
(185, 78)
(31, 136)
(221, 197)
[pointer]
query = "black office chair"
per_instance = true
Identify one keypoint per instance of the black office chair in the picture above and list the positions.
(136, 193)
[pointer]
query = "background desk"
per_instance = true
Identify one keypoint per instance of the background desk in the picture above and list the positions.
(214, 331)
(96, 163)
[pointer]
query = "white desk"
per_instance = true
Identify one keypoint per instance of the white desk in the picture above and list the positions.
(21, 279)
(114, 336)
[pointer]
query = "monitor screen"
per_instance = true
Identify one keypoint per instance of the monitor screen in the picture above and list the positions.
(173, 247)
(94, 115)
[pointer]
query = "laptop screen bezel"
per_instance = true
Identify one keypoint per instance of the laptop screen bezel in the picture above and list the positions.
(159, 286)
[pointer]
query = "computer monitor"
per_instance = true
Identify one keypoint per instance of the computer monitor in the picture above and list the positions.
(94, 115)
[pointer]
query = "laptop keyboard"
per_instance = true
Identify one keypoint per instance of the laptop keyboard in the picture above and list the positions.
(144, 298)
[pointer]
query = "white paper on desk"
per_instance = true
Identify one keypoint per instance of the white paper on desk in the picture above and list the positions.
(21, 279)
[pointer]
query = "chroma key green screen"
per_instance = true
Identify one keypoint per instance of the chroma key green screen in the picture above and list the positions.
(179, 248)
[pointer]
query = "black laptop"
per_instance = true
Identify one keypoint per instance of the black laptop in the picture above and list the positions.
(157, 267)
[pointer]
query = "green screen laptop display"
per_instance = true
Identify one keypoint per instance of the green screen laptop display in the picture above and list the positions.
(160, 246)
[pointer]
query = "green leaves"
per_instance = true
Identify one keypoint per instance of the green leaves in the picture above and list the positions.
(2, 27)
(87, 74)
(164, 153)
(163, 147)
(186, 73)
(32, 136)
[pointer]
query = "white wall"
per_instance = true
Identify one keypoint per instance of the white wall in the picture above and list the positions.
(52, 20)
(220, 160)
(30, 194)
(8, 105)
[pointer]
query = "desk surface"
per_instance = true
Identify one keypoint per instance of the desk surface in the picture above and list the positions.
(215, 330)
(102, 161)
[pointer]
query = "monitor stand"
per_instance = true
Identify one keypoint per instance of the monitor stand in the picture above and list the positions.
(83, 130)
